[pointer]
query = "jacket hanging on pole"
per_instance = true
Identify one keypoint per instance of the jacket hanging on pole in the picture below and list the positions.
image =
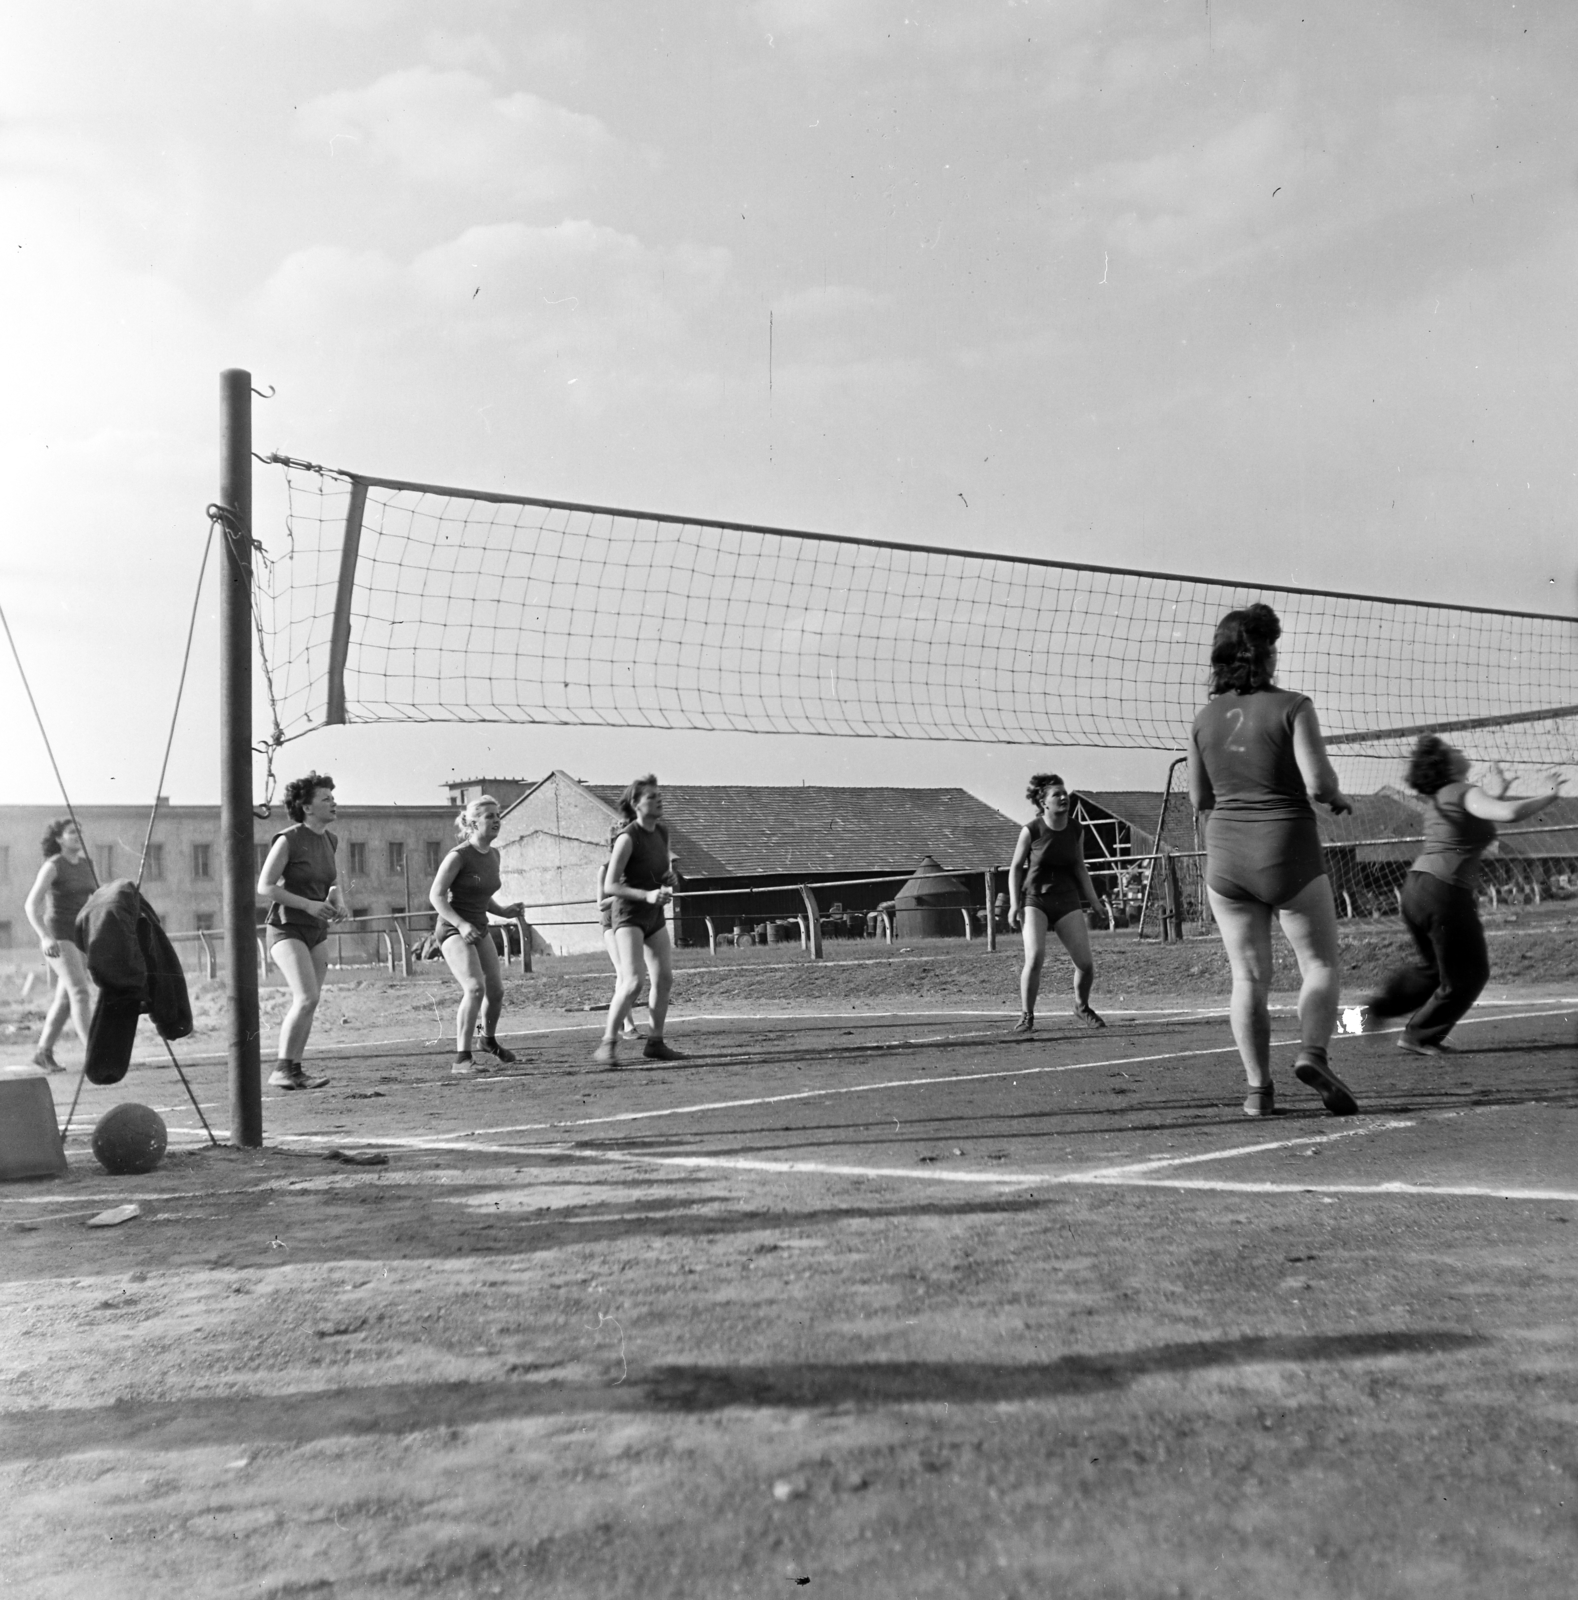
(135, 966)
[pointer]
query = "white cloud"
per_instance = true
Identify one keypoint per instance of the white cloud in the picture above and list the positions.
(831, 301)
(447, 128)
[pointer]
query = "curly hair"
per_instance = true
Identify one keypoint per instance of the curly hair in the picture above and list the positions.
(1036, 793)
(300, 792)
(468, 814)
(52, 835)
(1242, 648)
(1430, 764)
(627, 801)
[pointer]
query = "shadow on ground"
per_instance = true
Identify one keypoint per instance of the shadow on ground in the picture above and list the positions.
(242, 1420)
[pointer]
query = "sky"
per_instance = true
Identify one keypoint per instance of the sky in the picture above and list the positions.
(1249, 290)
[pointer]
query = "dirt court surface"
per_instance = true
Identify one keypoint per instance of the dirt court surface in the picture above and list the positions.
(864, 1298)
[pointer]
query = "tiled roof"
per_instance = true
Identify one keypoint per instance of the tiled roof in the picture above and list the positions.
(739, 830)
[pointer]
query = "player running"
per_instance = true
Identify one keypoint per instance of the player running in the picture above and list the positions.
(1453, 963)
(1049, 887)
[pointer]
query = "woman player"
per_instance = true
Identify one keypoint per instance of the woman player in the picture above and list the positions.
(59, 892)
(1255, 756)
(639, 880)
(463, 894)
(1438, 896)
(1048, 887)
(298, 878)
(605, 912)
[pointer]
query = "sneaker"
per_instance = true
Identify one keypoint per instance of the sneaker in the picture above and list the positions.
(1088, 1017)
(463, 1067)
(606, 1054)
(1026, 1022)
(1422, 1047)
(1335, 1094)
(1261, 1102)
(291, 1076)
(630, 1030)
(657, 1050)
(46, 1059)
(505, 1058)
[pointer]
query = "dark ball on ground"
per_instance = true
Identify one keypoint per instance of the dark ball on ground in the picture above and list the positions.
(129, 1138)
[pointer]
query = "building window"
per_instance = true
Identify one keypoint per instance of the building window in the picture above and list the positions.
(358, 861)
(5, 863)
(396, 857)
(5, 935)
(435, 855)
(204, 921)
(106, 859)
(361, 913)
(153, 866)
(203, 860)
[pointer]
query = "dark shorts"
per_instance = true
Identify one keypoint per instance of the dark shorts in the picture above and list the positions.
(1054, 906)
(1270, 860)
(312, 937)
(608, 918)
(651, 920)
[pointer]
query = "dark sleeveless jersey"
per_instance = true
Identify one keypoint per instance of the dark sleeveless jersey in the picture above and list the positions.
(1052, 871)
(1245, 742)
(475, 884)
(648, 864)
(1455, 838)
(310, 871)
(67, 895)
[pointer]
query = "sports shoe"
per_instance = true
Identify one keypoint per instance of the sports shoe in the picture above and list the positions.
(291, 1076)
(657, 1050)
(1335, 1094)
(1026, 1022)
(1422, 1047)
(46, 1059)
(630, 1030)
(606, 1054)
(463, 1067)
(1261, 1102)
(1088, 1017)
(504, 1057)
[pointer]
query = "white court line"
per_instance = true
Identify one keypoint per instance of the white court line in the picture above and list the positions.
(702, 1107)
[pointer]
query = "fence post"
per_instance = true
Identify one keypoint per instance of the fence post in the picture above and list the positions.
(712, 936)
(209, 967)
(991, 908)
(813, 920)
(969, 932)
(525, 928)
(403, 930)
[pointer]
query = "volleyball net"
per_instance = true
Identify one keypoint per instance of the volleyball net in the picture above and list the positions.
(388, 601)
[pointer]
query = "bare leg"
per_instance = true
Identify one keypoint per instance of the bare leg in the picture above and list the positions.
(660, 968)
(1309, 920)
(1035, 936)
(627, 956)
(71, 996)
(1246, 932)
(1074, 932)
(304, 971)
(465, 961)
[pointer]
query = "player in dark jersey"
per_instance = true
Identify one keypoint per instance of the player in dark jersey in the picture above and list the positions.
(298, 878)
(640, 882)
(1049, 887)
(1255, 756)
(464, 892)
(59, 892)
(1453, 963)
